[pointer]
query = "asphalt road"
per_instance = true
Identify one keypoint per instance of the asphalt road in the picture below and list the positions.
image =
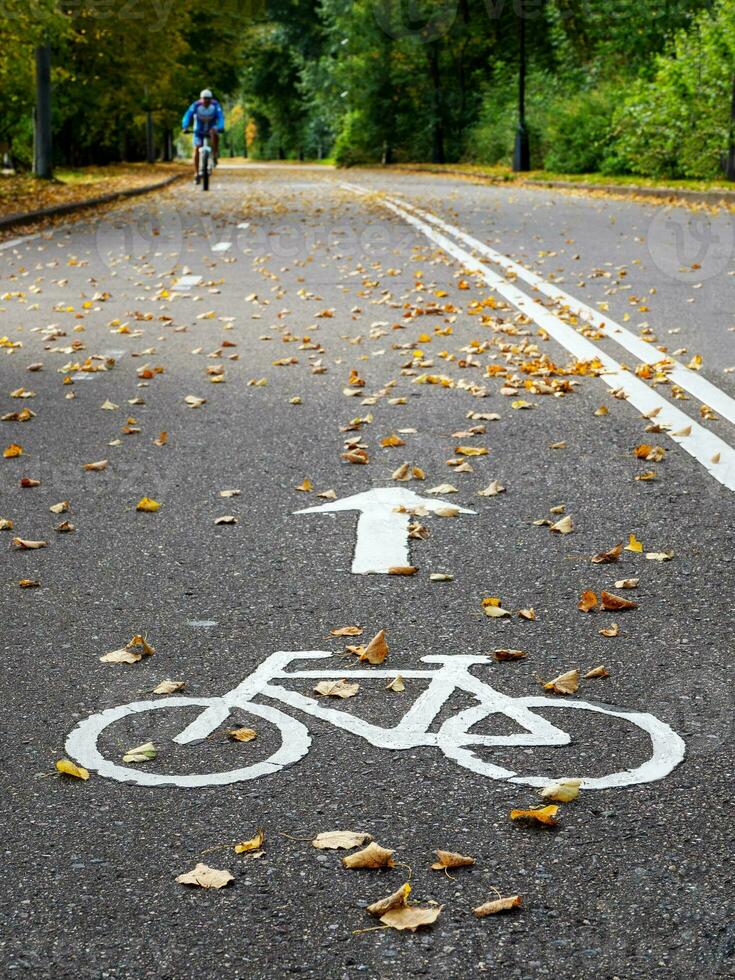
(635, 880)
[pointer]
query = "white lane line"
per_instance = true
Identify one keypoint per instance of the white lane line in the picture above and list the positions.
(14, 242)
(222, 247)
(703, 445)
(690, 381)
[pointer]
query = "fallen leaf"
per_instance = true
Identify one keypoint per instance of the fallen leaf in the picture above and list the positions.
(492, 490)
(563, 526)
(529, 614)
(241, 734)
(470, 451)
(503, 654)
(131, 653)
(397, 900)
(226, 519)
(13, 451)
(397, 685)
(6, 524)
(141, 753)
(372, 856)
(66, 527)
(148, 506)
(205, 877)
(411, 917)
(443, 488)
(563, 791)
(254, 844)
(169, 687)
(440, 577)
(566, 683)
(161, 440)
(450, 859)
(347, 631)
(612, 630)
(613, 603)
(544, 815)
(306, 486)
(194, 402)
(27, 482)
(627, 583)
(634, 545)
(97, 467)
(67, 768)
(229, 493)
(337, 689)
(596, 672)
(606, 557)
(402, 570)
(498, 905)
(29, 583)
(660, 555)
(377, 649)
(60, 508)
(392, 440)
(22, 544)
(587, 602)
(333, 840)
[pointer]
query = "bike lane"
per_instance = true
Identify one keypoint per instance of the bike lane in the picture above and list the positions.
(217, 600)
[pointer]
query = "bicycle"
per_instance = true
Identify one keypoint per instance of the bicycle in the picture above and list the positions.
(454, 736)
(206, 162)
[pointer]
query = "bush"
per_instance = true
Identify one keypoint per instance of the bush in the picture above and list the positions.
(578, 134)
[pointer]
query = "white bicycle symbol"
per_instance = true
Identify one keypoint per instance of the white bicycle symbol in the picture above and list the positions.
(453, 737)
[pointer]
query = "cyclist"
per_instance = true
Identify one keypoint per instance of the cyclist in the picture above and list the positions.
(209, 120)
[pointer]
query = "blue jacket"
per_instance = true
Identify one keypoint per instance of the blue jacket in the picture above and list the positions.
(204, 118)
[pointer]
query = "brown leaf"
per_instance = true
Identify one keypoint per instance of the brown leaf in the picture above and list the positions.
(397, 900)
(498, 905)
(596, 672)
(450, 859)
(529, 614)
(613, 603)
(377, 649)
(169, 687)
(627, 583)
(612, 630)
(347, 631)
(504, 654)
(606, 557)
(95, 467)
(402, 570)
(563, 526)
(372, 856)
(587, 602)
(397, 685)
(205, 877)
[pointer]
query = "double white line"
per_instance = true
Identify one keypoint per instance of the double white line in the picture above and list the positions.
(717, 457)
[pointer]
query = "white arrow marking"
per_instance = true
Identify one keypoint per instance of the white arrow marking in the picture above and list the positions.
(382, 531)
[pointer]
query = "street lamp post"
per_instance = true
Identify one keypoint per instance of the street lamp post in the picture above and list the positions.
(522, 151)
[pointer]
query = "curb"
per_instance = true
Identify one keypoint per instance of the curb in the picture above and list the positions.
(713, 197)
(30, 217)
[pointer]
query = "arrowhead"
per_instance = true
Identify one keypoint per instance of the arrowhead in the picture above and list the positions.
(381, 498)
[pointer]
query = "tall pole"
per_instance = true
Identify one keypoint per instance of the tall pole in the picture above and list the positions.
(42, 162)
(522, 151)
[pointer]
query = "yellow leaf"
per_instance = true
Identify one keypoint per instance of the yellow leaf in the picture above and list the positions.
(587, 602)
(544, 815)
(397, 900)
(563, 526)
(306, 486)
(337, 689)
(68, 768)
(13, 451)
(411, 917)
(377, 649)
(148, 506)
(241, 734)
(596, 672)
(470, 451)
(254, 844)
(396, 685)
(392, 440)
(634, 544)
(563, 791)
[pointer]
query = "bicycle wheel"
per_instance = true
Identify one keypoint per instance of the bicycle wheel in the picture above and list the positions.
(205, 172)
(456, 740)
(81, 745)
